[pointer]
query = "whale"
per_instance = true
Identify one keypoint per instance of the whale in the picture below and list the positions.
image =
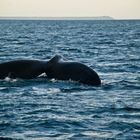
(55, 68)
(23, 69)
(59, 69)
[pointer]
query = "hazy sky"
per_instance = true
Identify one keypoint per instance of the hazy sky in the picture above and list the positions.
(128, 9)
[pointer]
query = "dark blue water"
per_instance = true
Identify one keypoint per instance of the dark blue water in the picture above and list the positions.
(42, 109)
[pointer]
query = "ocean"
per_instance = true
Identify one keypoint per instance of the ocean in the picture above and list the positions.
(43, 109)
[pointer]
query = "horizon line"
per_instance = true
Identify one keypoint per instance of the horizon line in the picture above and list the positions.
(64, 18)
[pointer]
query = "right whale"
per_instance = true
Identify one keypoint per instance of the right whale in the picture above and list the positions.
(75, 71)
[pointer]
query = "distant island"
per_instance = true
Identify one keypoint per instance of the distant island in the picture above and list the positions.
(58, 18)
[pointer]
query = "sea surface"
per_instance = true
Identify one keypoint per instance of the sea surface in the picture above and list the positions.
(43, 109)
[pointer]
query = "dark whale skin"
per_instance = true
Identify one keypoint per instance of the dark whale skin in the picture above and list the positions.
(75, 71)
(24, 69)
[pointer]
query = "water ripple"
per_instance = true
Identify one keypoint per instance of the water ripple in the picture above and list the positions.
(52, 109)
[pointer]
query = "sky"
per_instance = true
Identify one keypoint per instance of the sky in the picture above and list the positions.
(119, 9)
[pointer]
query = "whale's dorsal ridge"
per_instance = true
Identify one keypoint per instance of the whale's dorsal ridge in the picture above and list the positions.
(55, 59)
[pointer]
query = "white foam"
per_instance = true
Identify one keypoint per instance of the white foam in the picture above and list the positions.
(8, 79)
(53, 80)
(97, 134)
(53, 90)
(42, 75)
(46, 90)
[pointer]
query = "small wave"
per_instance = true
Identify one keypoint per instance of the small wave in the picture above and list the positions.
(65, 82)
(7, 138)
(125, 108)
(53, 90)
(122, 126)
(40, 39)
(21, 43)
(42, 91)
(3, 88)
(78, 90)
(121, 84)
(138, 78)
(4, 124)
(98, 134)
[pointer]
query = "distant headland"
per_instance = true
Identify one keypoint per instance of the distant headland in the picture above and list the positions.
(58, 18)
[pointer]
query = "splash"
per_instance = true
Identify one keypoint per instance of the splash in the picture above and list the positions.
(8, 79)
